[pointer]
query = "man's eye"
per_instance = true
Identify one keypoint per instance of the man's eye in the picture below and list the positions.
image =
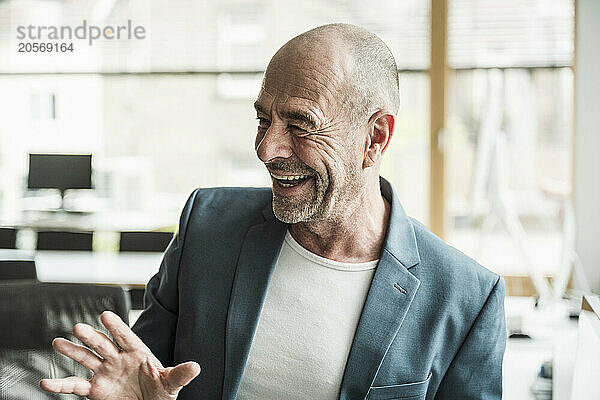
(298, 130)
(263, 122)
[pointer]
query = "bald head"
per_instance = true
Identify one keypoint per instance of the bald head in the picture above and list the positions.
(370, 74)
(325, 115)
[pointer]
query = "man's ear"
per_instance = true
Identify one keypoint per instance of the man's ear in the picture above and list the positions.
(380, 131)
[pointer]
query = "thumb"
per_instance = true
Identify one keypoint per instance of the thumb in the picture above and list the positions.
(180, 375)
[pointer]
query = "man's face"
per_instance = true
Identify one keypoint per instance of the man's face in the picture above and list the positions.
(304, 139)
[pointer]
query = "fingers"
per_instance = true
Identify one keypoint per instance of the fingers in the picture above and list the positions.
(82, 355)
(123, 335)
(181, 375)
(73, 384)
(97, 340)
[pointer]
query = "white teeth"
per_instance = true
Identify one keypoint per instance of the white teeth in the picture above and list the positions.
(289, 177)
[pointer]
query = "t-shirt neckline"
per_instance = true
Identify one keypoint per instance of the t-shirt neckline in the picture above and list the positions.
(338, 265)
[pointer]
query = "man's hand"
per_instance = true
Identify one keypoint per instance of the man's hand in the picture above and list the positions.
(129, 371)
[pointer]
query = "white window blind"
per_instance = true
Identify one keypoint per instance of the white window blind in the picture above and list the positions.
(510, 33)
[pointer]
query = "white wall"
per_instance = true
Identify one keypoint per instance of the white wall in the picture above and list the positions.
(587, 148)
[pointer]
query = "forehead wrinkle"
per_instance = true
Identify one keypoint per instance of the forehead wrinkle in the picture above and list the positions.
(318, 95)
(298, 100)
(330, 75)
(307, 79)
(334, 83)
(320, 98)
(332, 69)
(336, 77)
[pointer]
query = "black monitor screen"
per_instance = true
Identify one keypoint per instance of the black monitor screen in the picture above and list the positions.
(60, 171)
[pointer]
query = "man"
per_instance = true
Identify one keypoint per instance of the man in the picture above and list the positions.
(321, 288)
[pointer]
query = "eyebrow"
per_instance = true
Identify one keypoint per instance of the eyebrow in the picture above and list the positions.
(260, 108)
(301, 116)
(296, 115)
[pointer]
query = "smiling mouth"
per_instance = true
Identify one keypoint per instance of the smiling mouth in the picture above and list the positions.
(289, 180)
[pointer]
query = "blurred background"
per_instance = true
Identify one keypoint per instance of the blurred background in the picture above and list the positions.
(489, 150)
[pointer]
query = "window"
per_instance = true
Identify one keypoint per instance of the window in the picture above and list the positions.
(510, 120)
(181, 99)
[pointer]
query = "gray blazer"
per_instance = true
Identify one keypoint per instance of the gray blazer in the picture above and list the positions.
(432, 326)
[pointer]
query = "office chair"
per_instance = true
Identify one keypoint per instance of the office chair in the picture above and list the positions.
(60, 240)
(144, 241)
(31, 316)
(147, 242)
(8, 238)
(17, 270)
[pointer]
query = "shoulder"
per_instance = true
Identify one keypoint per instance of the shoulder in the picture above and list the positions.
(221, 197)
(224, 209)
(226, 203)
(451, 273)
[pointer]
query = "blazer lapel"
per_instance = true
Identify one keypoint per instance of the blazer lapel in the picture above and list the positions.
(257, 259)
(390, 296)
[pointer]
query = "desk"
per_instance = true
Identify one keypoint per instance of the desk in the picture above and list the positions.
(554, 337)
(132, 269)
(96, 221)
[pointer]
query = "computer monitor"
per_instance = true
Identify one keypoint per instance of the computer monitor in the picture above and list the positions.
(60, 171)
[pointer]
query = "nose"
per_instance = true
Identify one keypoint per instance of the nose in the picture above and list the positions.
(275, 143)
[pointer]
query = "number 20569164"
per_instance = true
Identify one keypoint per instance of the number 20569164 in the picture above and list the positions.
(45, 47)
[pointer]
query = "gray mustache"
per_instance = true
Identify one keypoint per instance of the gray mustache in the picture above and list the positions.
(290, 166)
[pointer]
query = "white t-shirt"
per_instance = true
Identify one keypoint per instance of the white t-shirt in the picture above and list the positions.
(306, 326)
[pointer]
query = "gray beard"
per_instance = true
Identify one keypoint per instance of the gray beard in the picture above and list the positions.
(320, 203)
(313, 207)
